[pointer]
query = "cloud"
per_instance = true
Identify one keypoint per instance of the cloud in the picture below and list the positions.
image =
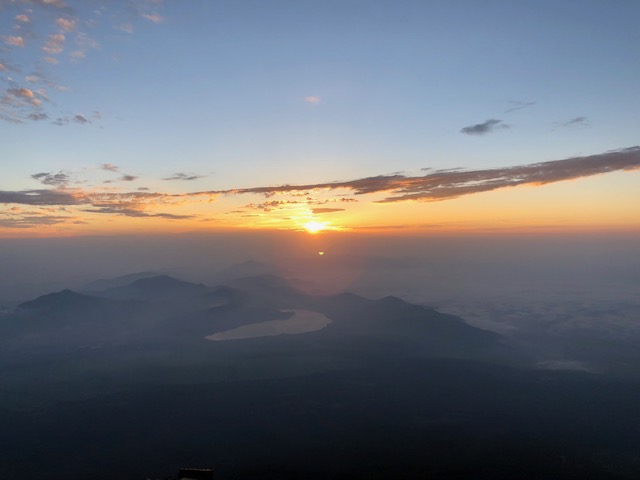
(318, 211)
(431, 187)
(38, 116)
(574, 122)
(446, 185)
(184, 176)
(66, 24)
(59, 179)
(13, 41)
(485, 127)
(517, 105)
(54, 44)
(30, 221)
(109, 167)
(48, 3)
(312, 100)
(21, 92)
(127, 178)
(153, 17)
(131, 212)
(272, 205)
(40, 197)
(125, 27)
(44, 30)
(78, 118)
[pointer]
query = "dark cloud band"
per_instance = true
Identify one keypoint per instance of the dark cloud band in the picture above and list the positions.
(451, 184)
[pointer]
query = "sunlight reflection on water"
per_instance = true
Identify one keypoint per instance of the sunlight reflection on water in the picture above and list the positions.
(302, 321)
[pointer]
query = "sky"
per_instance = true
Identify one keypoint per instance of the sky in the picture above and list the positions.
(150, 116)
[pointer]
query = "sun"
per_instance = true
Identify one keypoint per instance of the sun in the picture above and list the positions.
(314, 227)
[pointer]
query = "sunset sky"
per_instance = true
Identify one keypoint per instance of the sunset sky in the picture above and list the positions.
(145, 116)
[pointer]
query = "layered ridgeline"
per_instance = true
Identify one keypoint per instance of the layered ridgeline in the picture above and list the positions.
(137, 376)
(186, 320)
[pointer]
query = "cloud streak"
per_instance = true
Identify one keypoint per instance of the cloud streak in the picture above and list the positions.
(446, 185)
(318, 211)
(485, 127)
(184, 176)
(431, 187)
(517, 105)
(574, 122)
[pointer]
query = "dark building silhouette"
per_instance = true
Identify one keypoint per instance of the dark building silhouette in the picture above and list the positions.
(196, 473)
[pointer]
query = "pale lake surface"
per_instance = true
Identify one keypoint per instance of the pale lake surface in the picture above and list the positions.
(302, 321)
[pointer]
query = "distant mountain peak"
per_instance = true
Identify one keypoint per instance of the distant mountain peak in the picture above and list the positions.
(249, 268)
(120, 281)
(392, 301)
(62, 298)
(159, 280)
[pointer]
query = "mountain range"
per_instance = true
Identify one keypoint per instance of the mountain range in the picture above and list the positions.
(144, 374)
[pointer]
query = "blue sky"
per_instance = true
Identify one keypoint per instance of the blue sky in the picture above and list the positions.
(251, 93)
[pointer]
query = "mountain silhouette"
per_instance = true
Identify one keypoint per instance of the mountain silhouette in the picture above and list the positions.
(384, 389)
(121, 281)
(64, 300)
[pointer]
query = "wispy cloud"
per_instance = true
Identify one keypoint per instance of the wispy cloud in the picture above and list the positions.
(31, 221)
(518, 105)
(312, 100)
(54, 44)
(431, 187)
(48, 3)
(184, 176)
(66, 24)
(318, 211)
(131, 212)
(49, 35)
(78, 118)
(445, 185)
(40, 197)
(14, 41)
(59, 179)
(485, 127)
(153, 17)
(574, 122)
(24, 93)
(38, 116)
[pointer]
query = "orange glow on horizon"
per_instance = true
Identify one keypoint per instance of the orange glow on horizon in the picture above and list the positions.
(314, 227)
